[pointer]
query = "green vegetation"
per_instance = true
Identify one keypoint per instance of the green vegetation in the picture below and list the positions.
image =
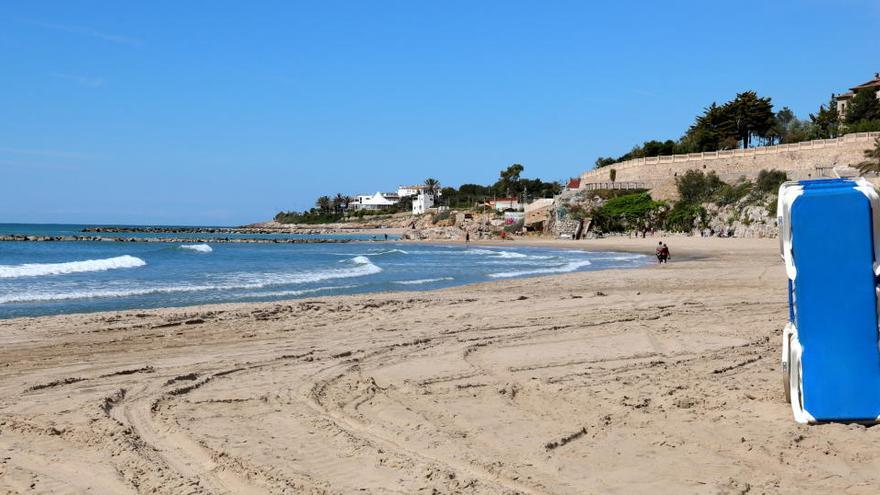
(872, 164)
(863, 108)
(749, 120)
(510, 184)
(769, 181)
(696, 188)
(627, 212)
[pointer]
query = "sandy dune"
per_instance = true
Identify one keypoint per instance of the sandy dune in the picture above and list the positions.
(657, 380)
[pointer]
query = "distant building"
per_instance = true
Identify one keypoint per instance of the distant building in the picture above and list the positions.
(537, 213)
(502, 204)
(378, 201)
(422, 202)
(512, 217)
(844, 99)
(573, 184)
(406, 191)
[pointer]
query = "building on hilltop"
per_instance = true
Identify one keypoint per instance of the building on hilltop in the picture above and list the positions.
(378, 201)
(844, 99)
(422, 203)
(502, 204)
(406, 191)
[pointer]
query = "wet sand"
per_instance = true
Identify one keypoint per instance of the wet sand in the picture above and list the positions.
(657, 380)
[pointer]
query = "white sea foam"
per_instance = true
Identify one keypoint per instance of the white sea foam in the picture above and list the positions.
(479, 251)
(390, 251)
(509, 254)
(201, 248)
(287, 293)
(568, 267)
(42, 269)
(423, 281)
(362, 267)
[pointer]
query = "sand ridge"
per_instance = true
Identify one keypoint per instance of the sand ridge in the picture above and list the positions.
(663, 379)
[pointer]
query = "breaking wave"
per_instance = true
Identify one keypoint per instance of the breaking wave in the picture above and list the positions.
(43, 269)
(200, 248)
(287, 293)
(568, 267)
(362, 266)
(423, 281)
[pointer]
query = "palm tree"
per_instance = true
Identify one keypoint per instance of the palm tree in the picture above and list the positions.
(432, 185)
(339, 203)
(323, 203)
(872, 164)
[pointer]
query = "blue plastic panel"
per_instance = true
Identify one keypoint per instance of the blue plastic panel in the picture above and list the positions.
(836, 313)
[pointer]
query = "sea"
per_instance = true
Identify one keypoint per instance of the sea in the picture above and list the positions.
(60, 277)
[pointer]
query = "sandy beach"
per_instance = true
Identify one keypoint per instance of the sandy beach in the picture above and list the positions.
(663, 379)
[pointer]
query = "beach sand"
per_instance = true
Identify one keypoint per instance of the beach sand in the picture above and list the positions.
(664, 379)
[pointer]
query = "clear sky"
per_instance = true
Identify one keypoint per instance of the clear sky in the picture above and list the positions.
(221, 113)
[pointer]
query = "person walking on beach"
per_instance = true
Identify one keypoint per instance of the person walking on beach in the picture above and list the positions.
(467, 237)
(662, 253)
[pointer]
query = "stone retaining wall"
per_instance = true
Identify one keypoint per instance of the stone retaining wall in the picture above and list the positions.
(811, 159)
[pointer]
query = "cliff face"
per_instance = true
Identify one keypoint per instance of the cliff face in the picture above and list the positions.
(740, 220)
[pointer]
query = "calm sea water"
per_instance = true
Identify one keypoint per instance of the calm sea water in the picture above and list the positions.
(42, 278)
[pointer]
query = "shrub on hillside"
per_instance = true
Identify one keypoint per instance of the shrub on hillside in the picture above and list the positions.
(769, 181)
(684, 217)
(696, 187)
(627, 212)
(729, 194)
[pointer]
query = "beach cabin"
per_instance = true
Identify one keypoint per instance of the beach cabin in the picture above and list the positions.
(829, 241)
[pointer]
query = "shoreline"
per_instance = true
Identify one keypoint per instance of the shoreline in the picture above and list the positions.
(635, 246)
(660, 379)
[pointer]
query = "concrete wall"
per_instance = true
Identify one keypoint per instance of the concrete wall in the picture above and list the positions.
(809, 159)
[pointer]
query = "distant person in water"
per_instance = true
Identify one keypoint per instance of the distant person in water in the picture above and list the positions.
(386, 237)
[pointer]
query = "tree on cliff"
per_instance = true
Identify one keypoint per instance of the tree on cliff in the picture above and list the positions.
(750, 116)
(711, 131)
(863, 107)
(604, 161)
(826, 122)
(508, 180)
(872, 164)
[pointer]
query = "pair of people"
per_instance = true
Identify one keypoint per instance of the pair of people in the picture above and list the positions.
(662, 253)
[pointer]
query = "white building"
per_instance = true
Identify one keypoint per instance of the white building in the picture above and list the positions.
(502, 204)
(378, 201)
(422, 202)
(405, 191)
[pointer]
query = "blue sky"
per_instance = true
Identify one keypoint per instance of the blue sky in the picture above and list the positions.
(225, 112)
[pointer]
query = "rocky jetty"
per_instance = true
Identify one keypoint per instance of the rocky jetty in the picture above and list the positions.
(204, 230)
(173, 240)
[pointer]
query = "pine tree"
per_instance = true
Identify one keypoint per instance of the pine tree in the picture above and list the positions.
(863, 107)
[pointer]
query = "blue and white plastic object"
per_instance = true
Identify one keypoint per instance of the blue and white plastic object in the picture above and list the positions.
(830, 350)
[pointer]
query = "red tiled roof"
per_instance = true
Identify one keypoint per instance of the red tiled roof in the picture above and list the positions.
(873, 83)
(574, 184)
